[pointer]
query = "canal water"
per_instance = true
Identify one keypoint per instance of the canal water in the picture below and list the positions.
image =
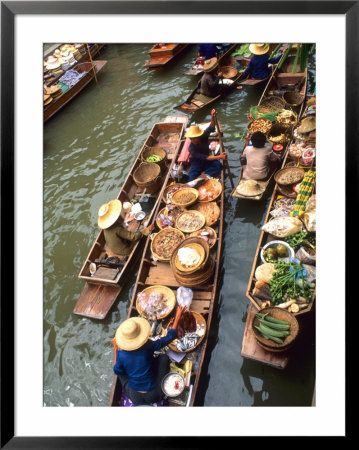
(89, 147)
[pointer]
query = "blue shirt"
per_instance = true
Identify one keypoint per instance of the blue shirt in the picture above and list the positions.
(200, 152)
(137, 364)
(207, 50)
(258, 66)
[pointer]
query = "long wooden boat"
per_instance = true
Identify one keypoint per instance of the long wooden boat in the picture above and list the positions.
(283, 79)
(195, 70)
(204, 296)
(101, 290)
(162, 54)
(58, 103)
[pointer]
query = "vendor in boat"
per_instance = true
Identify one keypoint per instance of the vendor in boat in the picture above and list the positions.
(119, 240)
(208, 51)
(200, 159)
(258, 67)
(209, 84)
(140, 374)
(258, 161)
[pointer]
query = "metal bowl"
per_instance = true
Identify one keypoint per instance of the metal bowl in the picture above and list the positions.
(172, 375)
(140, 215)
(286, 259)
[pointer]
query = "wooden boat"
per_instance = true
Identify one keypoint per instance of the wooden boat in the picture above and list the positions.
(101, 290)
(204, 297)
(283, 79)
(196, 71)
(162, 54)
(63, 99)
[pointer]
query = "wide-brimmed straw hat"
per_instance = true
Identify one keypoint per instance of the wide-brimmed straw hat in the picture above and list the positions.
(249, 188)
(132, 333)
(259, 49)
(109, 213)
(210, 64)
(194, 131)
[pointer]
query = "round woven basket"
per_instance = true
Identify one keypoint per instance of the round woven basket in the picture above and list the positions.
(177, 268)
(211, 182)
(277, 130)
(281, 314)
(198, 234)
(292, 98)
(159, 236)
(186, 229)
(297, 175)
(148, 176)
(163, 210)
(271, 104)
(168, 294)
(168, 188)
(200, 277)
(200, 251)
(262, 125)
(200, 321)
(210, 210)
(190, 193)
(155, 151)
(228, 71)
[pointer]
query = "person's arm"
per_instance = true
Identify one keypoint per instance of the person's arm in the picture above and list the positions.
(160, 343)
(118, 367)
(247, 71)
(274, 60)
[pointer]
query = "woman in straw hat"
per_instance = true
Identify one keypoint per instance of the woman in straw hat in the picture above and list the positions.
(258, 65)
(119, 240)
(259, 159)
(209, 84)
(139, 372)
(200, 159)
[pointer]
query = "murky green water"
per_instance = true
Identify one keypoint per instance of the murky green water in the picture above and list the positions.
(88, 149)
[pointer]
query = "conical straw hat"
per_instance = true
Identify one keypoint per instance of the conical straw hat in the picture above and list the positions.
(259, 49)
(132, 333)
(249, 188)
(109, 213)
(194, 131)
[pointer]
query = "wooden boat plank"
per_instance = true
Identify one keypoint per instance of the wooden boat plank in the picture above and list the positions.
(159, 57)
(96, 300)
(252, 350)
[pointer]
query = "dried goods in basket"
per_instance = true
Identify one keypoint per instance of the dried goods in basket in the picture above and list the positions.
(189, 257)
(164, 243)
(168, 215)
(200, 246)
(210, 190)
(262, 125)
(191, 220)
(170, 190)
(277, 314)
(289, 175)
(278, 134)
(210, 211)
(155, 302)
(191, 330)
(208, 234)
(287, 117)
(185, 197)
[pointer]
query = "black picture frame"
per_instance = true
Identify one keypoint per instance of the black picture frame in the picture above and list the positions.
(9, 10)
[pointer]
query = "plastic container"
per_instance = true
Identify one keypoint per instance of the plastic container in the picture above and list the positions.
(286, 259)
(308, 156)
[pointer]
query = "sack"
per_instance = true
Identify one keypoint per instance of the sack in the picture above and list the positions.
(309, 220)
(283, 226)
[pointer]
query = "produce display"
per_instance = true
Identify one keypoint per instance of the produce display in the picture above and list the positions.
(190, 221)
(275, 252)
(184, 197)
(262, 125)
(287, 117)
(207, 234)
(168, 215)
(272, 328)
(166, 241)
(153, 158)
(210, 210)
(283, 226)
(153, 305)
(305, 191)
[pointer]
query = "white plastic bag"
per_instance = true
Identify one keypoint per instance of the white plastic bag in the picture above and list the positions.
(184, 296)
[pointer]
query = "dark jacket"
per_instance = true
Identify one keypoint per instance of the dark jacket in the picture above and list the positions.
(258, 66)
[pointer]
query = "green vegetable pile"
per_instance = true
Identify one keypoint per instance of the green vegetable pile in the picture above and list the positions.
(296, 240)
(153, 158)
(272, 328)
(288, 281)
(243, 50)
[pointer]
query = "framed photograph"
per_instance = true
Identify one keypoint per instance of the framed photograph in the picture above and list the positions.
(56, 172)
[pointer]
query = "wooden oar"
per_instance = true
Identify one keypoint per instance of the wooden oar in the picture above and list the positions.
(222, 151)
(93, 66)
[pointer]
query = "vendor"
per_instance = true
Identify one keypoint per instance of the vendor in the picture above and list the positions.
(208, 51)
(258, 65)
(200, 159)
(258, 160)
(209, 84)
(139, 372)
(119, 240)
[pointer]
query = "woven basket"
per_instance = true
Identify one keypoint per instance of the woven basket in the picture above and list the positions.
(265, 125)
(191, 192)
(228, 71)
(200, 251)
(186, 229)
(199, 278)
(271, 104)
(200, 321)
(180, 270)
(198, 234)
(160, 235)
(297, 173)
(210, 210)
(148, 151)
(277, 130)
(168, 188)
(207, 184)
(292, 98)
(281, 314)
(162, 211)
(148, 176)
(168, 294)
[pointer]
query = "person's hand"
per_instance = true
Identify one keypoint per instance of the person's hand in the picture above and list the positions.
(151, 227)
(213, 113)
(223, 155)
(220, 74)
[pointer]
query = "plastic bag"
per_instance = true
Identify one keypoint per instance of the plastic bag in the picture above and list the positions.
(311, 203)
(283, 226)
(309, 220)
(311, 273)
(184, 296)
(305, 257)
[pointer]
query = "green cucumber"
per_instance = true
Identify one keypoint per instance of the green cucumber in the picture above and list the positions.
(272, 332)
(272, 319)
(271, 338)
(276, 326)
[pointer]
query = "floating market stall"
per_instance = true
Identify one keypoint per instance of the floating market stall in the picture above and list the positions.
(284, 269)
(223, 52)
(179, 272)
(105, 273)
(162, 54)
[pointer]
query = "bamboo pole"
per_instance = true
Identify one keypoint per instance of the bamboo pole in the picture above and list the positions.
(222, 151)
(93, 66)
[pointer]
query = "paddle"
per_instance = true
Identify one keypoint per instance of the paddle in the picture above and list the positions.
(93, 67)
(222, 150)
